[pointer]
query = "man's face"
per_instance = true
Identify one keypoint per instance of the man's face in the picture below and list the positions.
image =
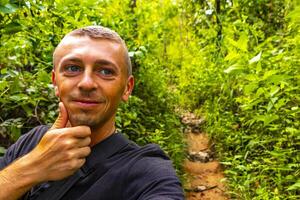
(91, 79)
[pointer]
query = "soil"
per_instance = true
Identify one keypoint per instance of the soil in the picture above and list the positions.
(204, 172)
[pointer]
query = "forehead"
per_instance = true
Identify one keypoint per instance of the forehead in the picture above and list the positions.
(86, 48)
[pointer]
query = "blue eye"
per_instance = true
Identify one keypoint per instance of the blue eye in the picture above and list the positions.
(106, 72)
(72, 68)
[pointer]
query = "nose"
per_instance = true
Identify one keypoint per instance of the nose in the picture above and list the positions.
(87, 82)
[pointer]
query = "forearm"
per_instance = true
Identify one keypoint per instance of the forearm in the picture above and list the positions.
(16, 179)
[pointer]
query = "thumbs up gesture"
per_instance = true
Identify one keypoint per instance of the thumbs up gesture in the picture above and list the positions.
(62, 150)
(62, 119)
(60, 153)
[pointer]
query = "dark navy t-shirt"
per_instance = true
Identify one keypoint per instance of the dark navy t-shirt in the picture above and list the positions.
(116, 169)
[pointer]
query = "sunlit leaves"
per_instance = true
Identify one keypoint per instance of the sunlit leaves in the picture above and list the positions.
(233, 68)
(241, 43)
(255, 58)
(295, 186)
(12, 28)
(7, 8)
(250, 94)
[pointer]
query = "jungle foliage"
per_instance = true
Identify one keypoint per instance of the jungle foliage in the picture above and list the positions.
(244, 78)
(235, 62)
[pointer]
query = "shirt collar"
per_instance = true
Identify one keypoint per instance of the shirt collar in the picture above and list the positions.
(105, 149)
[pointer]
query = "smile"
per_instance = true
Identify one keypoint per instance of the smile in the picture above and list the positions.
(84, 103)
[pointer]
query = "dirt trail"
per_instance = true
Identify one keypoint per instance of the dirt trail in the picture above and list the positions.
(204, 171)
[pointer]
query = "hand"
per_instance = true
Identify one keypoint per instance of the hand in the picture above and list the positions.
(61, 151)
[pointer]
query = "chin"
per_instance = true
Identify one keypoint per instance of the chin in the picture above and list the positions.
(84, 121)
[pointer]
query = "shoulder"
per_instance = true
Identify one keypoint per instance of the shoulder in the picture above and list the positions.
(153, 157)
(153, 176)
(152, 163)
(23, 145)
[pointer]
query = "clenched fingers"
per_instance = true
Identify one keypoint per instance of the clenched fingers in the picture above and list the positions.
(77, 131)
(78, 153)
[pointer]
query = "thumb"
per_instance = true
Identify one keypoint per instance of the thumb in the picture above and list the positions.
(62, 119)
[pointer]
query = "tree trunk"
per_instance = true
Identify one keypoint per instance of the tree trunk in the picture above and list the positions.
(218, 13)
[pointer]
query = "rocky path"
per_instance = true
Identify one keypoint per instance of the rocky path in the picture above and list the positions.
(203, 170)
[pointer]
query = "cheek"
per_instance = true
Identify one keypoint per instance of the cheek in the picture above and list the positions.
(62, 88)
(61, 91)
(114, 94)
(120, 95)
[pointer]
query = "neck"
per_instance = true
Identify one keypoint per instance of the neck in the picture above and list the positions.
(102, 132)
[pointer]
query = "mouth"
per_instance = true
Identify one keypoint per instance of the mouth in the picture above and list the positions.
(86, 103)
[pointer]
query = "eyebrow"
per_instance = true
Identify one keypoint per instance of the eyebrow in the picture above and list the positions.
(97, 62)
(72, 59)
(105, 62)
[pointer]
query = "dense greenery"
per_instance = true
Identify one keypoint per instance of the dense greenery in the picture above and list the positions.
(234, 62)
(245, 70)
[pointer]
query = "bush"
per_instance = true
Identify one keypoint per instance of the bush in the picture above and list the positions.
(246, 84)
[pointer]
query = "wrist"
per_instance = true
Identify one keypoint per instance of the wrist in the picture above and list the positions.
(16, 179)
(27, 170)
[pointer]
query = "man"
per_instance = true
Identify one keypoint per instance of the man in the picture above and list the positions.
(82, 156)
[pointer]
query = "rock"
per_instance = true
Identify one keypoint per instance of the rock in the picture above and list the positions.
(201, 188)
(200, 156)
(193, 123)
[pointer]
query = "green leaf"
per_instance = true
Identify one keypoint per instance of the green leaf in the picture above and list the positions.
(126, 123)
(255, 58)
(232, 55)
(294, 15)
(274, 90)
(8, 8)
(280, 103)
(269, 73)
(2, 150)
(250, 88)
(267, 119)
(19, 97)
(3, 71)
(43, 76)
(3, 2)
(295, 186)
(259, 92)
(270, 106)
(12, 28)
(3, 85)
(243, 42)
(233, 68)
(295, 108)
(277, 78)
(292, 130)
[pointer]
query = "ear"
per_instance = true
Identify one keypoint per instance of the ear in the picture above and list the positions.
(54, 84)
(128, 88)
